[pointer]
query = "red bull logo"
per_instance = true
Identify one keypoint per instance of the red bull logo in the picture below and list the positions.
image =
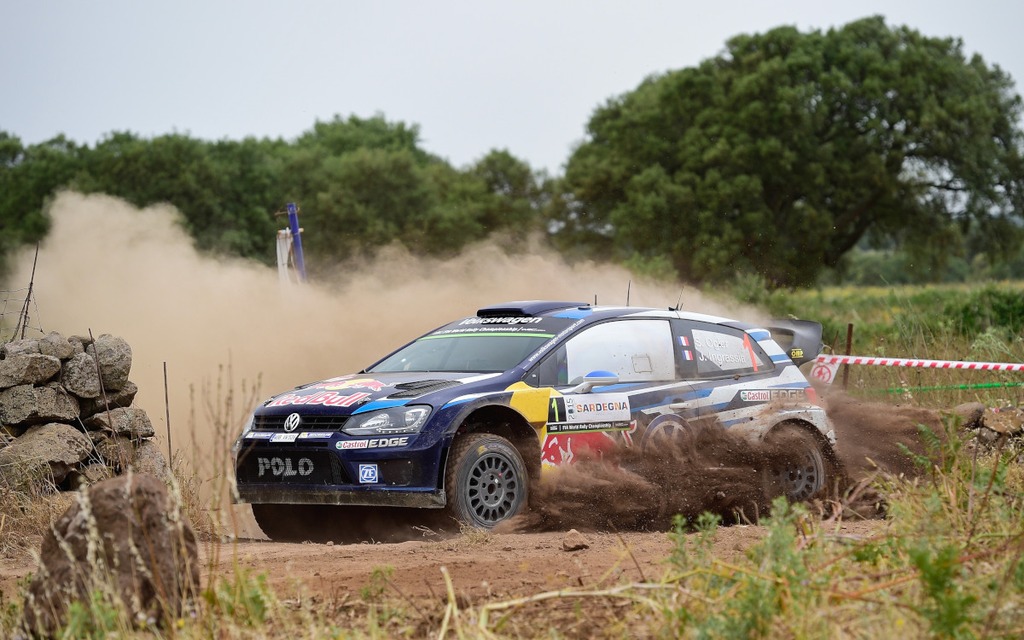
(354, 383)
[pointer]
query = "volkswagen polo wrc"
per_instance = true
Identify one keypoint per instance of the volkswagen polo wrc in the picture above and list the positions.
(467, 417)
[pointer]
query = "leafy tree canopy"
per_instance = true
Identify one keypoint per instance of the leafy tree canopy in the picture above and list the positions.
(360, 183)
(779, 155)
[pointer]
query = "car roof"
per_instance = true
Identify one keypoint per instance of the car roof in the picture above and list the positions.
(558, 308)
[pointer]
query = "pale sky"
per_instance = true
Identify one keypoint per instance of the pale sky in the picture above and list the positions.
(474, 75)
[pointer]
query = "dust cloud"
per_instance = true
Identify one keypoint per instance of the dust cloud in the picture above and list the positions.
(231, 334)
(228, 324)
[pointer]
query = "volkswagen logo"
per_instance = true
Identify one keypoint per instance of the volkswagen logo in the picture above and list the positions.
(291, 423)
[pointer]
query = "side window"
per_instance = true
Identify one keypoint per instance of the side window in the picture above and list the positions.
(719, 350)
(635, 350)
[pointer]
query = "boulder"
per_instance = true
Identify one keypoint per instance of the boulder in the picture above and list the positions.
(19, 347)
(114, 399)
(81, 377)
(44, 453)
(27, 368)
(115, 358)
(56, 345)
(130, 422)
(27, 405)
(79, 343)
(972, 415)
(125, 538)
(150, 460)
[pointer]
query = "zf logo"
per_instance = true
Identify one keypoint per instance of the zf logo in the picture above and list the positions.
(284, 467)
(368, 473)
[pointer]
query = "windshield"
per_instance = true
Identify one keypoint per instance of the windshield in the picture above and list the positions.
(485, 345)
(472, 352)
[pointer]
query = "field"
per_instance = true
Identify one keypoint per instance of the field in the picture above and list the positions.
(927, 539)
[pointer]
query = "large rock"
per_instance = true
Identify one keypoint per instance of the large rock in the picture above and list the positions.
(45, 453)
(114, 399)
(150, 460)
(19, 347)
(81, 377)
(126, 538)
(27, 368)
(130, 422)
(56, 345)
(79, 343)
(971, 414)
(26, 405)
(115, 358)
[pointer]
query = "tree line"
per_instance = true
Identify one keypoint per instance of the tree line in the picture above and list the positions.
(360, 183)
(858, 152)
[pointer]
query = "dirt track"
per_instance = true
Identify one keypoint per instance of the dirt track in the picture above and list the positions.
(489, 567)
(483, 567)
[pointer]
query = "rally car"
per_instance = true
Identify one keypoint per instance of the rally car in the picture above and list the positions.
(466, 417)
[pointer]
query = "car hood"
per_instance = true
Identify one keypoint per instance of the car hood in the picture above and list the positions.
(357, 393)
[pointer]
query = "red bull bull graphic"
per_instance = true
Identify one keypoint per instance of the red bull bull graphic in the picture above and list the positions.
(348, 382)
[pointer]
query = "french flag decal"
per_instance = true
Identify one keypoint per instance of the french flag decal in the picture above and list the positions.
(684, 341)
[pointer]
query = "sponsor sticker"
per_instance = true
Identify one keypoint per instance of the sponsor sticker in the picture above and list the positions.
(325, 398)
(368, 474)
(284, 437)
(314, 435)
(373, 443)
(767, 395)
(582, 427)
(509, 320)
(592, 407)
(258, 435)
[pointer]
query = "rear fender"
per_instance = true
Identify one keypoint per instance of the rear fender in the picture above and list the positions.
(811, 418)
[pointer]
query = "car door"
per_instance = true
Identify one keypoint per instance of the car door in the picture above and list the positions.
(640, 353)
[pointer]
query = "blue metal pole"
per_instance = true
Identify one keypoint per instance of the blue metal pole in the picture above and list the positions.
(293, 223)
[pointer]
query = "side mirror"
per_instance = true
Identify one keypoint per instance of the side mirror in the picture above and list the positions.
(593, 379)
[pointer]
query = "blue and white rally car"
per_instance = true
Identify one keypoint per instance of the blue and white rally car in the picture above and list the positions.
(466, 417)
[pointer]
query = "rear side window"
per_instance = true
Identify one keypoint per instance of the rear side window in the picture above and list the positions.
(717, 350)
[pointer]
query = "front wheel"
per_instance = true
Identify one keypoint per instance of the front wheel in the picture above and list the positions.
(486, 480)
(799, 467)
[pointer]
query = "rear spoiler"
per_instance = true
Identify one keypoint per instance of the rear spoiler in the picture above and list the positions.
(800, 339)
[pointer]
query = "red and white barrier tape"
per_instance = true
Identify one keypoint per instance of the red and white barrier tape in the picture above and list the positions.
(825, 365)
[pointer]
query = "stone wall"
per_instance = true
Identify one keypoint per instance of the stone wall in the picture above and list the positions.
(66, 414)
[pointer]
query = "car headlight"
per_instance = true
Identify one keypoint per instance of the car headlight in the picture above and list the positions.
(388, 421)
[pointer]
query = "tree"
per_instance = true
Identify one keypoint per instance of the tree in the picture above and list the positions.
(224, 190)
(780, 154)
(28, 178)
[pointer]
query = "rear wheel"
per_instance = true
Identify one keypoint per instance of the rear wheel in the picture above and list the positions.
(800, 466)
(486, 481)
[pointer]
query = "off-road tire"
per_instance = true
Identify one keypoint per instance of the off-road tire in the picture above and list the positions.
(486, 481)
(806, 468)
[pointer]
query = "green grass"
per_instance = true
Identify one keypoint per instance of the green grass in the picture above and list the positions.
(937, 322)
